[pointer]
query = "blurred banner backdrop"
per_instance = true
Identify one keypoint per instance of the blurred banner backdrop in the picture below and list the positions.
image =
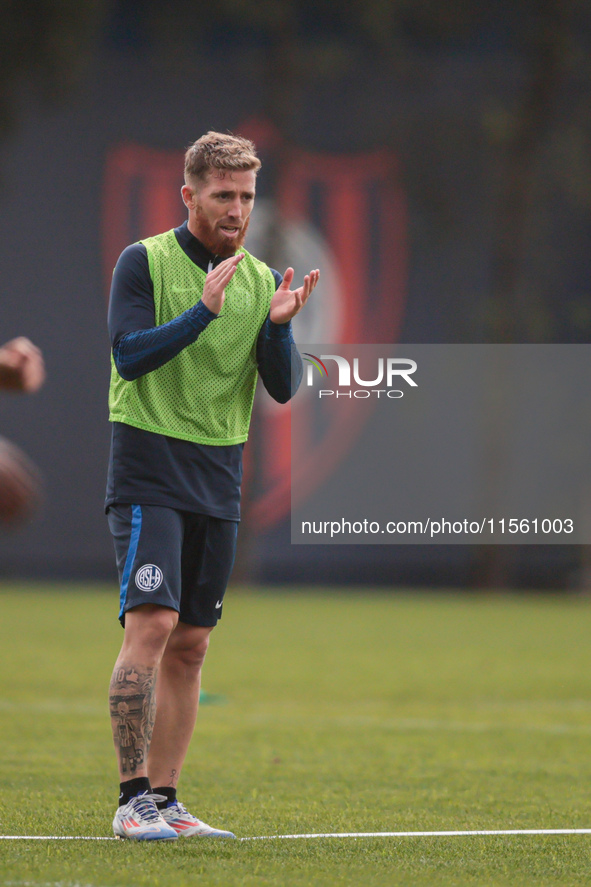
(434, 162)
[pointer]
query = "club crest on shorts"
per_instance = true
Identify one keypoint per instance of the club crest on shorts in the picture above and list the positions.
(148, 578)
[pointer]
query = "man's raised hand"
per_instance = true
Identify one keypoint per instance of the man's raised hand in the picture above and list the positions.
(217, 280)
(286, 303)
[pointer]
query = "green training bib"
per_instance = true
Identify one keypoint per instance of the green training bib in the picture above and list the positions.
(205, 393)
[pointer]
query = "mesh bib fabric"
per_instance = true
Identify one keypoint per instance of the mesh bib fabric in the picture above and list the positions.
(205, 393)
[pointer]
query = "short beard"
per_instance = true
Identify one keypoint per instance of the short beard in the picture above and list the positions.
(215, 242)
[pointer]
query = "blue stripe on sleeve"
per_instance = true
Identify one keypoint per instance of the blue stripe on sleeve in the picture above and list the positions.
(136, 528)
(143, 351)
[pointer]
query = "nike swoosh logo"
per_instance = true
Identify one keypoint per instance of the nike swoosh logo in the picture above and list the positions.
(218, 605)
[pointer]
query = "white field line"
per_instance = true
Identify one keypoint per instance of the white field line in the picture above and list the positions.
(54, 838)
(483, 832)
(394, 725)
(527, 831)
(429, 725)
(52, 707)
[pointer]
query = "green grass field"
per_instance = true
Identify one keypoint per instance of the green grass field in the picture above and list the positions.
(343, 712)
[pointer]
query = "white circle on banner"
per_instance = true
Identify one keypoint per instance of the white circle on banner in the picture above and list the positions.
(281, 242)
(148, 578)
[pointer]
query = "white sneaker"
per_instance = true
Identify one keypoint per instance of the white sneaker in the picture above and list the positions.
(140, 820)
(187, 826)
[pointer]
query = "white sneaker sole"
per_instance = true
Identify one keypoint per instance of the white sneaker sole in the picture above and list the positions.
(146, 837)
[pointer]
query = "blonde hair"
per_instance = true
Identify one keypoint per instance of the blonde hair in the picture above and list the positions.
(217, 150)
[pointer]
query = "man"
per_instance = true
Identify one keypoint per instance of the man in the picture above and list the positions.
(192, 318)
(22, 369)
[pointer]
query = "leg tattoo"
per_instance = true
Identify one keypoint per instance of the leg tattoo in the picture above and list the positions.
(133, 711)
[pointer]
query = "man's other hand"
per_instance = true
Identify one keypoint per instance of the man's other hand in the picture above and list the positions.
(286, 303)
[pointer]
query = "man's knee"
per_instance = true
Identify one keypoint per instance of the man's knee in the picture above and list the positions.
(188, 645)
(149, 626)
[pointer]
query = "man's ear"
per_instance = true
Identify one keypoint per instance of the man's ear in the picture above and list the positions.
(188, 195)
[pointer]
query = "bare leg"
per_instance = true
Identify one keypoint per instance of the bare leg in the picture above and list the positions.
(179, 680)
(132, 696)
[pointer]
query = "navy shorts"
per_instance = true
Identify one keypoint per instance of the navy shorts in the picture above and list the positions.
(176, 559)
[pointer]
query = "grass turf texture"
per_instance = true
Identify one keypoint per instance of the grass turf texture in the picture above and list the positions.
(345, 712)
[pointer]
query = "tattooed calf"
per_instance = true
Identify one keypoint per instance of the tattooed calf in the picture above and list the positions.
(133, 711)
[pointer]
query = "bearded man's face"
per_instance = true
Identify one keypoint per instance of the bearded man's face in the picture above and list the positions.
(220, 208)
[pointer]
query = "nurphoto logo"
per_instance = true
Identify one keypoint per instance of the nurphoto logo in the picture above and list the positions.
(389, 371)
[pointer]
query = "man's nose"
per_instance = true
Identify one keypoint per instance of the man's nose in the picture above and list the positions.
(235, 208)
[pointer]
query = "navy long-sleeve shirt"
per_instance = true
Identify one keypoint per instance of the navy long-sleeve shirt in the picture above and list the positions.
(149, 468)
